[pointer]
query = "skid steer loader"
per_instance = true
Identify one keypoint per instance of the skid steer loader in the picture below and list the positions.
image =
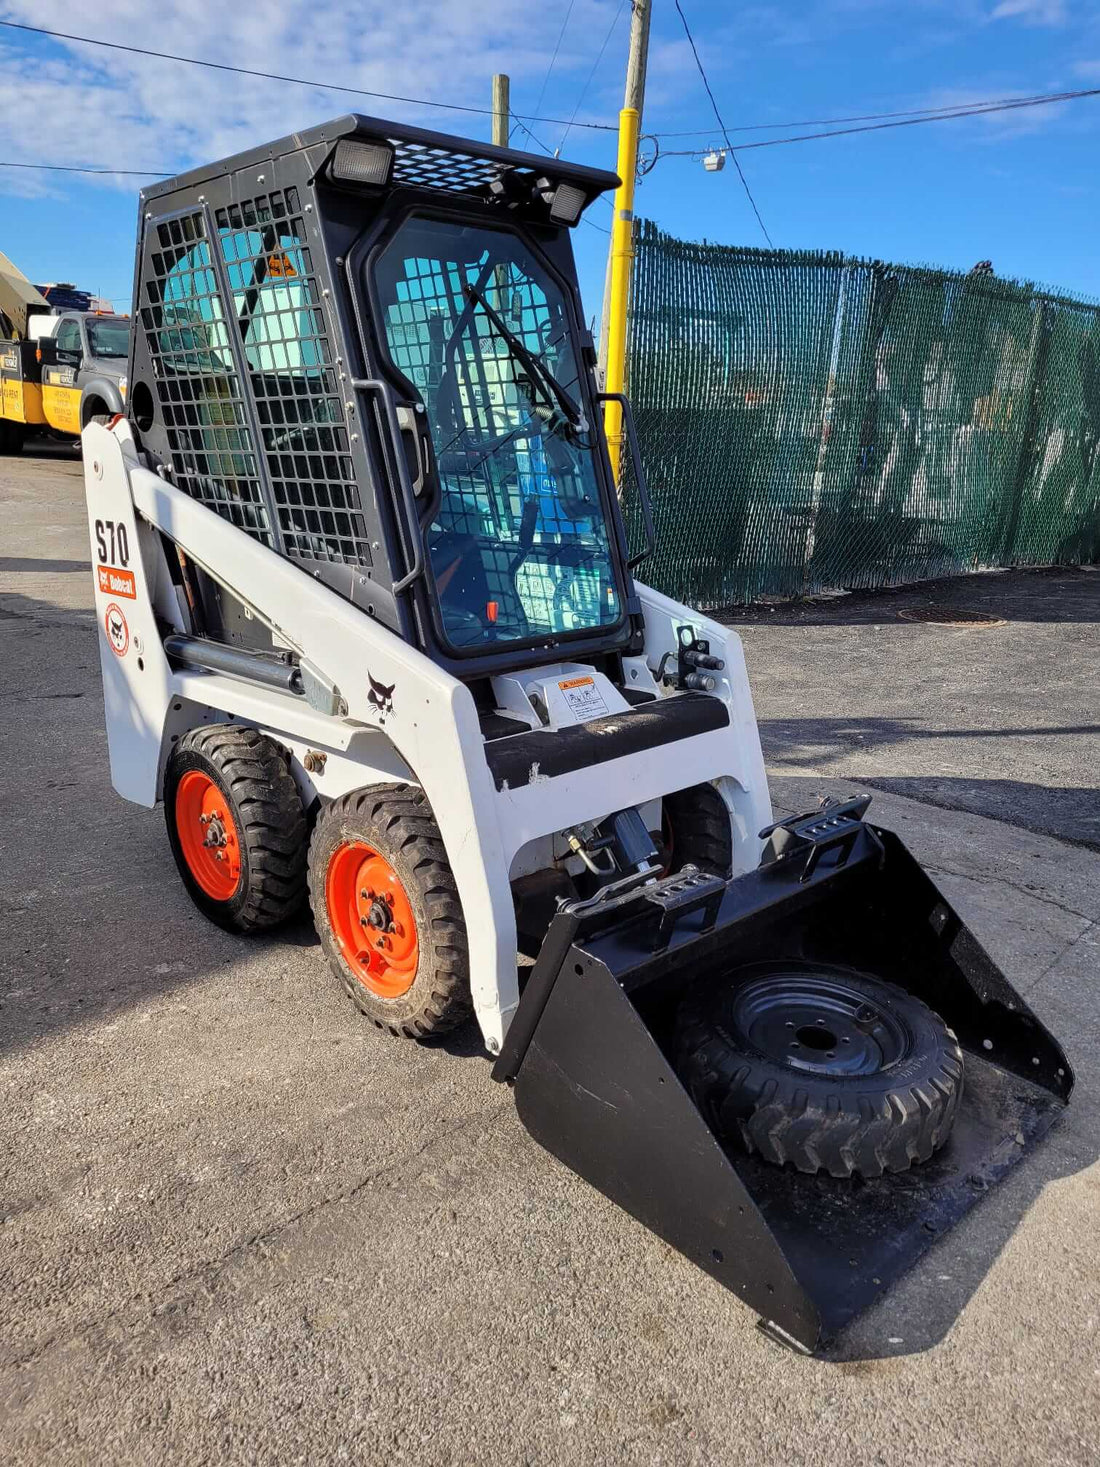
(369, 630)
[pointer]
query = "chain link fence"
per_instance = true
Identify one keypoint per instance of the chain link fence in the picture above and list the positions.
(810, 421)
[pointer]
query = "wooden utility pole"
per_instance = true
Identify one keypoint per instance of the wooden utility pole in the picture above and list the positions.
(502, 118)
(620, 258)
(501, 110)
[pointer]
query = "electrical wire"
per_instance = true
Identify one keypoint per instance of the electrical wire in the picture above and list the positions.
(722, 125)
(948, 107)
(584, 90)
(299, 81)
(66, 168)
(554, 57)
(976, 111)
(931, 114)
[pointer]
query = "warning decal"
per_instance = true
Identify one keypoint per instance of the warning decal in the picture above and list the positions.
(584, 697)
(116, 582)
(118, 633)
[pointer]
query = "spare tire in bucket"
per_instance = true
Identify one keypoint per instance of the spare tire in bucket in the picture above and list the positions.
(821, 1068)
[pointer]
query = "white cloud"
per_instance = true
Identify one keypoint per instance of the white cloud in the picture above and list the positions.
(93, 106)
(1033, 12)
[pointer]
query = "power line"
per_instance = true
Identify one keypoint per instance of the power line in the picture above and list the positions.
(722, 125)
(554, 57)
(297, 81)
(950, 108)
(66, 168)
(584, 90)
(976, 111)
(930, 114)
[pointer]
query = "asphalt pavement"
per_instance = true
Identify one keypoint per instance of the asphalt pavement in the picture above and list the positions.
(237, 1224)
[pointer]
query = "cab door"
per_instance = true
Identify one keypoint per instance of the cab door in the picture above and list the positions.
(62, 359)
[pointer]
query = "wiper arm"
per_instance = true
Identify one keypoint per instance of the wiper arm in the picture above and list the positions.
(545, 379)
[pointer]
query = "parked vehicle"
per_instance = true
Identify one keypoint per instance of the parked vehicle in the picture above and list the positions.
(60, 368)
(370, 631)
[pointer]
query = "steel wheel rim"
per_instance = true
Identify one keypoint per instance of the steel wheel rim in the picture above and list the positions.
(208, 836)
(819, 1024)
(372, 919)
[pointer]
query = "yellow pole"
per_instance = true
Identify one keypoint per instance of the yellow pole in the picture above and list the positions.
(622, 260)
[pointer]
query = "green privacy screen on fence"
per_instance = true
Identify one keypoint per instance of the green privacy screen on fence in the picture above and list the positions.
(811, 421)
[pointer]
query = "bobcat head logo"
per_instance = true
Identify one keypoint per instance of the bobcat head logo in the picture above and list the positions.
(118, 633)
(380, 696)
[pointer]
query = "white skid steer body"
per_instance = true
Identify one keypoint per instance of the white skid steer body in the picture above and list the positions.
(422, 729)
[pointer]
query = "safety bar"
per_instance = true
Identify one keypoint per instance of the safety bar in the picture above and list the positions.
(414, 550)
(639, 472)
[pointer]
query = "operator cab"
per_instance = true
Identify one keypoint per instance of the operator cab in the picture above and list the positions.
(364, 346)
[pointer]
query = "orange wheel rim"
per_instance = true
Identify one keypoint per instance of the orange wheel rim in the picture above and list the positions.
(371, 919)
(208, 835)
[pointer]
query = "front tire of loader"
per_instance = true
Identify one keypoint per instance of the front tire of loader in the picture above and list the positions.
(820, 1068)
(237, 827)
(387, 911)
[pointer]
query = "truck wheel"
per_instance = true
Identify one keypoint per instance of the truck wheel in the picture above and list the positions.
(822, 1068)
(387, 910)
(11, 437)
(237, 826)
(695, 829)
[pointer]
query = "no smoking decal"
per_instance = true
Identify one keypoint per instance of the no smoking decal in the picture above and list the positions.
(118, 633)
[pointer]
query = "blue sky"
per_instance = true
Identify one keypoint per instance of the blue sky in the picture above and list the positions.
(1020, 188)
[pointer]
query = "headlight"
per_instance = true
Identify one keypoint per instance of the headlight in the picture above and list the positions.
(122, 383)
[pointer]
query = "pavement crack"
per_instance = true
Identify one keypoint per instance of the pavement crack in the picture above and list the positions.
(152, 1298)
(1034, 984)
(1047, 901)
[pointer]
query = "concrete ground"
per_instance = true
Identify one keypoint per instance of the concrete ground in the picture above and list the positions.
(236, 1225)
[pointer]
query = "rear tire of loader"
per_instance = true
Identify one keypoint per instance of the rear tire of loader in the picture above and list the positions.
(387, 911)
(695, 830)
(821, 1068)
(237, 827)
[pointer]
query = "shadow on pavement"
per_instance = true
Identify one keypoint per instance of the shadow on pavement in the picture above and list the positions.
(43, 567)
(1060, 593)
(826, 746)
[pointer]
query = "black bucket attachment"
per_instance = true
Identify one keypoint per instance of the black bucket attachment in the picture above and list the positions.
(588, 1056)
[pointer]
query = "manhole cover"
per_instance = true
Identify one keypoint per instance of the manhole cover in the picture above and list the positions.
(951, 616)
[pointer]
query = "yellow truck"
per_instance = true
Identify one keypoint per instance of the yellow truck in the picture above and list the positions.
(60, 369)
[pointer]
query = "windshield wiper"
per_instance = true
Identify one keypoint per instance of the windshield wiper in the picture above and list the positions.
(561, 403)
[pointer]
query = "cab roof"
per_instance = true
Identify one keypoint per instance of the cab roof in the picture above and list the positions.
(422, 159)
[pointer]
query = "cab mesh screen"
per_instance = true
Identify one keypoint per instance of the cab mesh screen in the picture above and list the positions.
(200, 396)
(283, 450)
(812, 421)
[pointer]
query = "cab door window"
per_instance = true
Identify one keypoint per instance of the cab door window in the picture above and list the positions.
(68, 338)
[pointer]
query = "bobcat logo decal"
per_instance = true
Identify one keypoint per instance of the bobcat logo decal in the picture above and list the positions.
(118, 633)
(380, 696)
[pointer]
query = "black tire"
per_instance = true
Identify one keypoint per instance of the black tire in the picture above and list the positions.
(397, 823)
(695, 830)
(95, 412)
(11, 437)
(755, 1056)
(252, 773)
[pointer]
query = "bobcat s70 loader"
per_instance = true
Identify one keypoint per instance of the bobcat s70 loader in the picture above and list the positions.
(369, 629)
